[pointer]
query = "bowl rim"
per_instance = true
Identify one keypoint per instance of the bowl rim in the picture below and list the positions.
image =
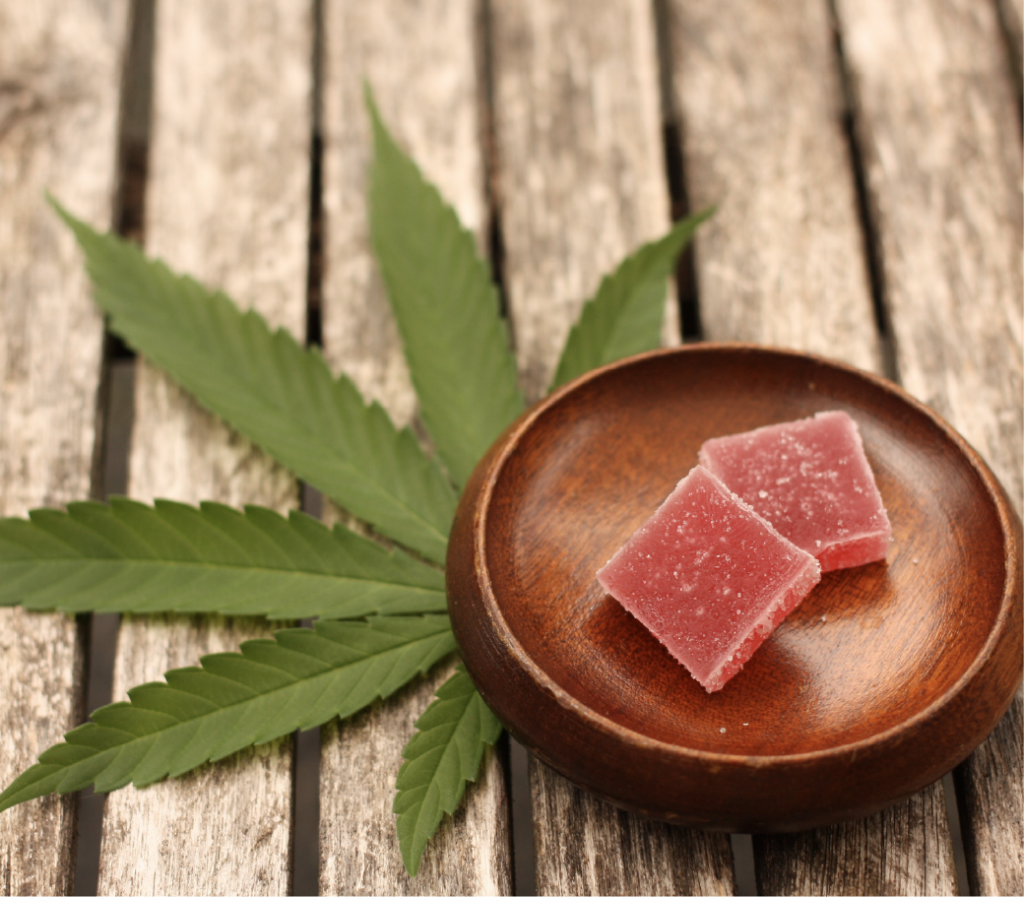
(997, 496)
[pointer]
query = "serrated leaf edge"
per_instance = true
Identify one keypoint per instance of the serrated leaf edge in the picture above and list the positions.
(255, 658)
(478, 400)
(386, 506)
(415, 587)
(427, 810)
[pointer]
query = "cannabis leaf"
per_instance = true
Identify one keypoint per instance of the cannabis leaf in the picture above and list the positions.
(300, 679)
(625, 315)
(447, 309)
(448, 315)
(129, 556)
(440, 758)
(274, 392)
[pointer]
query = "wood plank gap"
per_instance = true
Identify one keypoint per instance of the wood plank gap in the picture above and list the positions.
(306, 812)
(905, 849)
(61, 72)
(956, 833)
(134, 132)
(111, 461)
(422, 62)
(116, 399)
(756, 94)
(305, 823)
(579, 133)
(762, 109)
(868, 226)
(685, 280)
(524, 854)
(119, 377)
(305, 827)
(942, 156)
(111, 457)
(1011, 14)
(315, 264)
(517, 772)
(743, 864)
(685, 283)
(102, 637)
(490, 161)
(227, 202)
(314, 275)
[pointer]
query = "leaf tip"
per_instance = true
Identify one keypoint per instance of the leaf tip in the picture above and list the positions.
(411, 860)
(368, 98)
(704, 214)
(65, 216)
(379, 129)
(8, 800)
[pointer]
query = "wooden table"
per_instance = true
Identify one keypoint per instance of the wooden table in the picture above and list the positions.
(865, 156)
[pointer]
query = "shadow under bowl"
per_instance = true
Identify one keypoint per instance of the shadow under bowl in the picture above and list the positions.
(883, 679)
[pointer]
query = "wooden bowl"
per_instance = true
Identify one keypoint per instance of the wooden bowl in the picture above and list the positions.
(884, 678)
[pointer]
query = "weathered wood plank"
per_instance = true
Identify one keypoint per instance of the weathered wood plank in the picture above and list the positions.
(904, 850)
(604, 850)
(471, 853)
(940, 140)
(413, 55)
(60, 71)
(942, 156)
(760, 99)
(1012, 13)
(581, 177)
(420, 59)
(581, 181)
(757, 90)
(227, 201)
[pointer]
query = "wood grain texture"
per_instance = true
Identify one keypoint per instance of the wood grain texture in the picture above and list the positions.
(471, 853)
(942, 157)
(903, 850)
(227, 202)
(610, 851)
(761, 109)
(580, 177)
(419, 57)
(60, 71)
(760, 104)
(941, 147)
(580, 183)
(1012, 13)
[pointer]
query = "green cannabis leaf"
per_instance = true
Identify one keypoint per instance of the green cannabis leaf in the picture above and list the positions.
(274, 392)
(129, 556)
(299, 679)
(447, 310)
(440, 758)
(624, 317)
(464, 373)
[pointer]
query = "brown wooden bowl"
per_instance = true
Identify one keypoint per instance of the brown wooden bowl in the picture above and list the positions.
(884, 678)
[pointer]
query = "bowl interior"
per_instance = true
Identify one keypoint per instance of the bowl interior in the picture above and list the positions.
(869, 648)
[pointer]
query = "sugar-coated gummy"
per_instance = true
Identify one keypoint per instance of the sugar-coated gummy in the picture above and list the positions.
(709, 578)
(811, 480)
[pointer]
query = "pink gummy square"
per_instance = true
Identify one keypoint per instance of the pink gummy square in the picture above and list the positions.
(709, 578)
(810, 479)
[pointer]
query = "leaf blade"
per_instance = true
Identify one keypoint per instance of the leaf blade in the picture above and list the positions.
(273, 391)
(440, 759)
(624, 316)
(170, 557)
(250, 697)
(446, 307)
